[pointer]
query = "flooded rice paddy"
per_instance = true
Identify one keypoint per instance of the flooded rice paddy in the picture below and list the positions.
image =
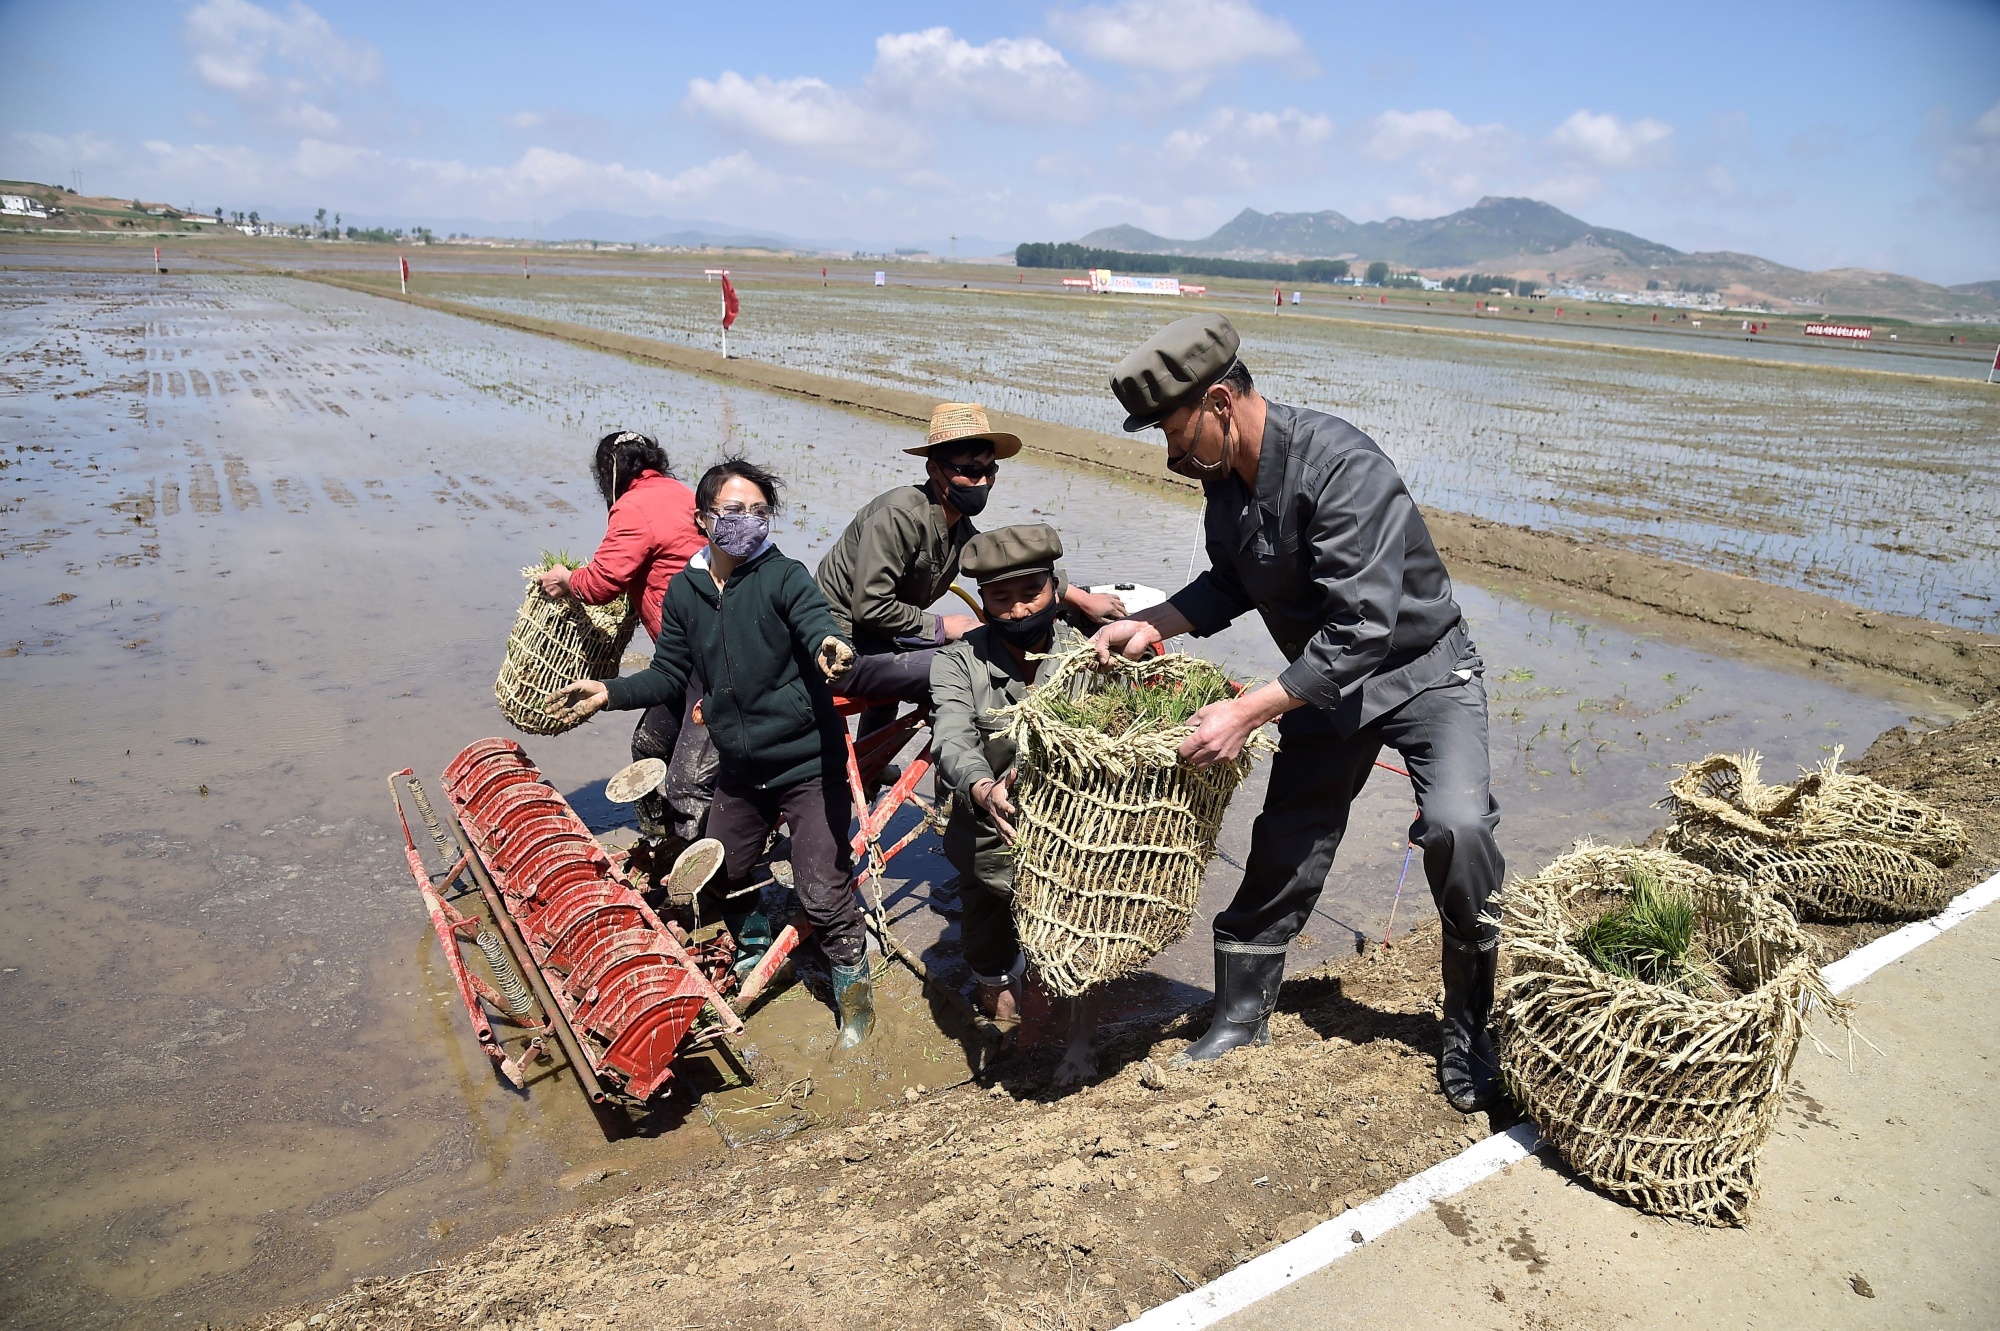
(1883, 490)
(260, 543)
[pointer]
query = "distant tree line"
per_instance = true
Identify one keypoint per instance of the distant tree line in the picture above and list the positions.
(1068, 254)
(1484, 282)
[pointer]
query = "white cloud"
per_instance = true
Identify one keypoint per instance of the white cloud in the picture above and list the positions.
(1189, 37)
(284, 68)
(1972, 162)
(806, 114)
(1393, 135)
(1239, 149)
(1613, 144)
(1012, 80)
(58, 154)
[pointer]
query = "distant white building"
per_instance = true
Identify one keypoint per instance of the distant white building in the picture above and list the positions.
(20, 205)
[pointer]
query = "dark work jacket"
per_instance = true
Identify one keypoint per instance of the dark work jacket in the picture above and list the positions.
(895, 558)
(1334, 555)
(768, 708)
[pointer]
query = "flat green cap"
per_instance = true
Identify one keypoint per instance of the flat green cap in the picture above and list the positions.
(1008, 552)
(1173, 368)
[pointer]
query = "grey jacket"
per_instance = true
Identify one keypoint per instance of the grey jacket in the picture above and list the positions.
(971, 680)
(1334, 555)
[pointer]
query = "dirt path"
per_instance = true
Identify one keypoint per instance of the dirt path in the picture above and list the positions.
(1011, 1206)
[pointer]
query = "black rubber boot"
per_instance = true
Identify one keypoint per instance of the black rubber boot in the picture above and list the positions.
(1467, 1069)
(855, 997)
(1246, 994)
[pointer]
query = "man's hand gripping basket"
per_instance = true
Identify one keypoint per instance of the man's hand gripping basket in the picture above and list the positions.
(557, 641)
(1115, 830)
(1660, 1096)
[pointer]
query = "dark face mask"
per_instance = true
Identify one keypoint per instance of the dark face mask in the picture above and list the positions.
(968, 499)
(1027, 633)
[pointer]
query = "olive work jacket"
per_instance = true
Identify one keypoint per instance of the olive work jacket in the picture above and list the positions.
(1331, 551)
(894, 559)
(971, 680)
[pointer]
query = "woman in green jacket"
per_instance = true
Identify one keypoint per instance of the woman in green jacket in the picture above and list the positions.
(754, 625)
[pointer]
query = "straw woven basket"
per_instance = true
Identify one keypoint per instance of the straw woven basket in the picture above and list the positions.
(556, 641)
(1834, 845)
(1660, 1098)
(1115, 831)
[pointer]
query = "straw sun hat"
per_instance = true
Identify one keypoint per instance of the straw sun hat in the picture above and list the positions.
(957, 422)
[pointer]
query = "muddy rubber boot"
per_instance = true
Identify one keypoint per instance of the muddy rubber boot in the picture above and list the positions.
(855, 997)
(752, 932)
(1246, 994)
(1468, 1072)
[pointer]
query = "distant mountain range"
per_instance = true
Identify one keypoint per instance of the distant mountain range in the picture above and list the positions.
(1525, 238)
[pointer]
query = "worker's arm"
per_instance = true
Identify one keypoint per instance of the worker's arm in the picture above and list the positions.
(663, 680)
(620, 560)
(887, 548)
(959, 745)
(1356, 542)
(814, 630)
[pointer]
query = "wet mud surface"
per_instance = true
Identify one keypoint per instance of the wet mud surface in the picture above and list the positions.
(260, 544)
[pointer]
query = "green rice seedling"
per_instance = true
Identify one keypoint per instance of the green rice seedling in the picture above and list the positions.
(1120, 707)
(1650, 937)
(557, 559)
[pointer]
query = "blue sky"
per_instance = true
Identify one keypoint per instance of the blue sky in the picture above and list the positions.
(1818, 134)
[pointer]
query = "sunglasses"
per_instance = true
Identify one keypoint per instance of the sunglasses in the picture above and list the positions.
(740, 510)
(971, 471)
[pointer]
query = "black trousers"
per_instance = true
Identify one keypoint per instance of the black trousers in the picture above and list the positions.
(889, 677)
(1441, 734)
(817, 811)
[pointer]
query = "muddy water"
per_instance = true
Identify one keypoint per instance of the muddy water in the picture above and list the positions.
(260, 543)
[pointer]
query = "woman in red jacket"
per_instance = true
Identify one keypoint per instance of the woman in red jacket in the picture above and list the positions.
(648, 538)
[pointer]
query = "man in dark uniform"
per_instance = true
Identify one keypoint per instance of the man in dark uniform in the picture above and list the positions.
(1308, 523)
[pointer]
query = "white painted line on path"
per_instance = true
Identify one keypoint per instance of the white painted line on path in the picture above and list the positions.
(1345, 1233)
(1320, 1247)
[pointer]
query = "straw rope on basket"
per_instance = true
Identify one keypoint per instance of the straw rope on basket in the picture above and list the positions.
(1661, 1097)
(1115, 830)
(556, 641)
(1834, 845)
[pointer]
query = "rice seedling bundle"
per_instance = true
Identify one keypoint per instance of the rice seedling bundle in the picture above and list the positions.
(1834, 845)
(1115, 830)
(1661, 1094)
(556, 641)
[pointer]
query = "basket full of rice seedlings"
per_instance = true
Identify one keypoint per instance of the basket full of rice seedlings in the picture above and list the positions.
(1115, 830)
(556, 641)
(1834, 845)
(1648, 1023)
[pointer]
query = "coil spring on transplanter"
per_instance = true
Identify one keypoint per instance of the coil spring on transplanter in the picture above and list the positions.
(508, 980)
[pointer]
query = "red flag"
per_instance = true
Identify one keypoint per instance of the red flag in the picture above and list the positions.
(406, 267)
(729, 305)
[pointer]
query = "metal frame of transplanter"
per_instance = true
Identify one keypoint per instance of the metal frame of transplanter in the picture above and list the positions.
(623, 993)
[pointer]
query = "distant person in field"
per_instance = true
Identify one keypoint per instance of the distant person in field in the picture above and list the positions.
(649, 537)
(1308, 524)
(900, 554)
(752, 624)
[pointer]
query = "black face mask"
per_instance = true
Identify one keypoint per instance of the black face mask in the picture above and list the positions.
(968, 499)
(1025, 633)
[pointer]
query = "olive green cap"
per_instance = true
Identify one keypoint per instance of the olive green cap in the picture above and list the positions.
(1174, 368)
(1008, 552)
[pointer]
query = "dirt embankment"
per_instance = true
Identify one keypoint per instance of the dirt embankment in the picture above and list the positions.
(1959, 661)
(1014, 1207)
